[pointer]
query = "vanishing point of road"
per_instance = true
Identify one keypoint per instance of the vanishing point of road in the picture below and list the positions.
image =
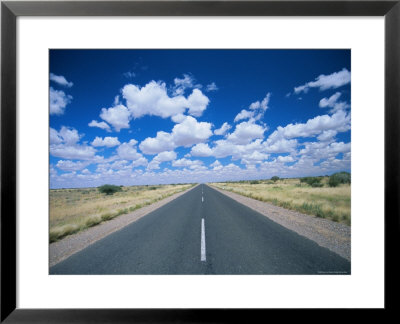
(204, 232)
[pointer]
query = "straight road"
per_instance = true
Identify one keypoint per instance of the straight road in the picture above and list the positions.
(204, 232)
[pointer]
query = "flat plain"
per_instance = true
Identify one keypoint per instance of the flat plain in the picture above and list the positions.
(333, 203)
(73, 210)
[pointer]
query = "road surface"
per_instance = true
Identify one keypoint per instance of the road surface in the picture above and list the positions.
(204, 232)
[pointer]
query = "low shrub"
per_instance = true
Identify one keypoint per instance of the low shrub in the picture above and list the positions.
(317, 185)
(122, 211)
(92, 221)
(312, 181)
(59, 233)
(109, 189)
(107, 216)
(339, 178)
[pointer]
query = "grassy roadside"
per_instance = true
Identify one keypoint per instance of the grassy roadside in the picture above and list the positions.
(325, 202)
(73, 210)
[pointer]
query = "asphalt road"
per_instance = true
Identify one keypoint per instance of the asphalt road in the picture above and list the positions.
(204, 232)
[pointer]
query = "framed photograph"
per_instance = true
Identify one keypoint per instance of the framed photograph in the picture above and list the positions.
(259, 138)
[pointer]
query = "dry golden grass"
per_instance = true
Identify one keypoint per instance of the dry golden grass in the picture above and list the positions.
(326, 202)
(72, 210)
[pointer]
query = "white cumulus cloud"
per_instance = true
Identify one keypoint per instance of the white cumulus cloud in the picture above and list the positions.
(244, 114)
(182, 84)
(73, 152)
(153, 99)
(118, 116)
(340, 122)
(60, 80)
(102, 125)
(58, 101)
(201, 149)
(161, 157)
(67, 165)
(327, 135)
(324, 82)
(285, 159)
(165, 156)
(128, 151)
(107, 141)
(257, 110)
(332, 102)
(211, 87)
(192, 164)
(154, 145)
(197, 103)
(223, 129)
(186, 133)
(245, 132)
(261, 104)
(190, 132)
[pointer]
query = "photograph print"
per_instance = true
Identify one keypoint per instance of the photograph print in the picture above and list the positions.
(201, 161)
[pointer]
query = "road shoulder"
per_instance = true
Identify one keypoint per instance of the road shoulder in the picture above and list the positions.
(331, 235)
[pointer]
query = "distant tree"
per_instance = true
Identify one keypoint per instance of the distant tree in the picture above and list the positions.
(333, 181)
(109, 189)
(339, 178)
(275, 178)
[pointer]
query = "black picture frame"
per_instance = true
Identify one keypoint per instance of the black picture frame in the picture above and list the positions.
(10, 10)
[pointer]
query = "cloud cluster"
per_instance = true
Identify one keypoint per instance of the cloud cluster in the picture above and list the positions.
(102, 125)
(117, 116)
(263, 105)
(324, 82)
(128, 151)
(64, 144)
(195, 171)
(180, 85)
(211, 87)
(223, 129)
(333, 103)
(191, 164)
(186, 133)
(165, 156)
(339, 122)
(248, 150)
(58, 101)
(245, 132)
(71, 166)
(153, 99)
(60, 80)
(106, 141)
(257, 110)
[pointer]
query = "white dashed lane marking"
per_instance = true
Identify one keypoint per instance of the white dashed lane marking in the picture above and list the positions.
(203, 241)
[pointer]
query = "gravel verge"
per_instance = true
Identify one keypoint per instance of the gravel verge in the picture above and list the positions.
(331, 235)
(71, 244)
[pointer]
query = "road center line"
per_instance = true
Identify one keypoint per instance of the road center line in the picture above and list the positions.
(202, 199)
(203, 241)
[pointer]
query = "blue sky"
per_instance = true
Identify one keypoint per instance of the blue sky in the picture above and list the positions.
(131, 117)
